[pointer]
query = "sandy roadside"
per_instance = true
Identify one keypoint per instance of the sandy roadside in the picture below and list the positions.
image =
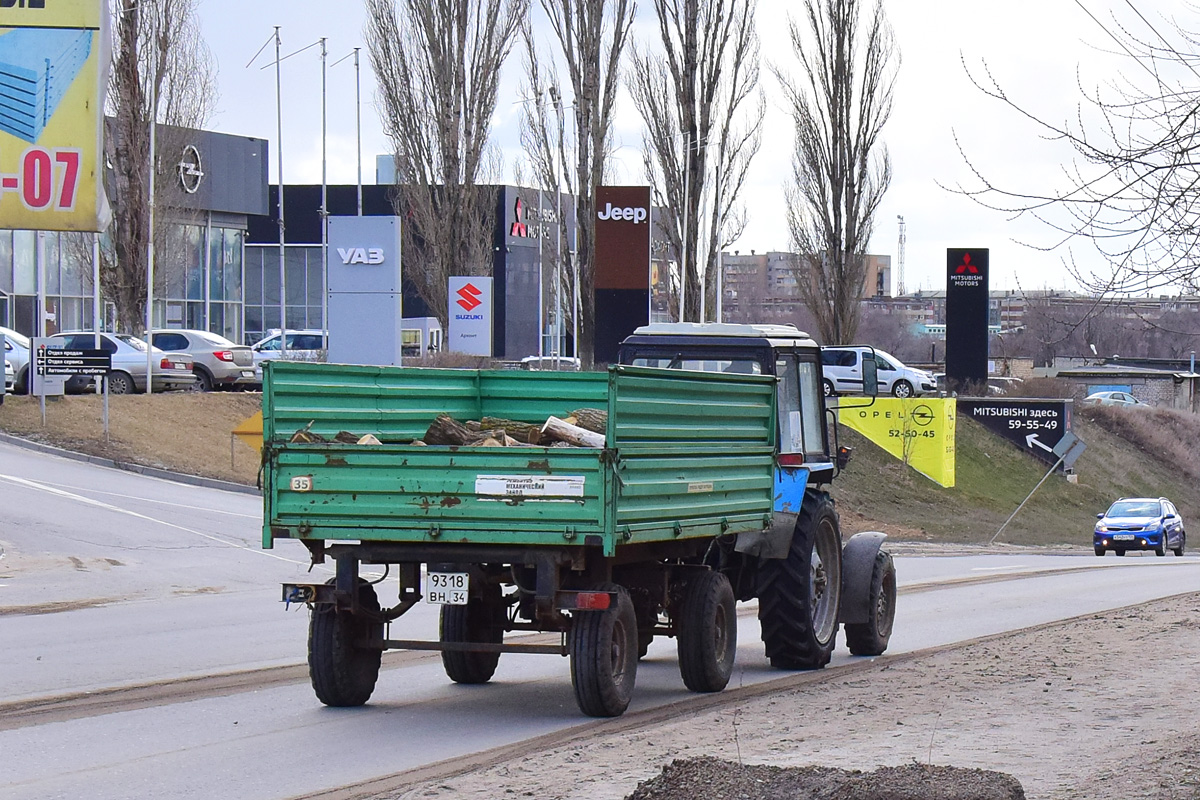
(1102, 707)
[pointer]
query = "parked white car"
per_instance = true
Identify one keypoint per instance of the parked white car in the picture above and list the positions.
(16, 352)
(305, 345)
(843, 373)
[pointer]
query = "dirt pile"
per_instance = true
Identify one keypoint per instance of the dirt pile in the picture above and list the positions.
(714, 779)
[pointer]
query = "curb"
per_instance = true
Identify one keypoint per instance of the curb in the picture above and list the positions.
(152, 472)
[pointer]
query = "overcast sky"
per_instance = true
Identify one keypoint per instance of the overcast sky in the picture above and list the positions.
(1036, 49)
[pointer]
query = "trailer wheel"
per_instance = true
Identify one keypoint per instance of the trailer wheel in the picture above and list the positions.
(871, 638)
(604, 648)
(798, 596)
(480, 620)
(343, 674)
(707, 632)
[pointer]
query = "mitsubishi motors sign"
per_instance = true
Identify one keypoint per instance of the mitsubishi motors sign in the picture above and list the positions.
(966, 315)
(470, 316)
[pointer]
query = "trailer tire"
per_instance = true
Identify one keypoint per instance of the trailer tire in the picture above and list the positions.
(871, 638)
(480, 620)
(707, 632)
(604, 648)
(343, 674)
(799, 596)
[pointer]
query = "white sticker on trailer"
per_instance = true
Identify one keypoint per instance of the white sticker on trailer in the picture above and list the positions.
(529, 485)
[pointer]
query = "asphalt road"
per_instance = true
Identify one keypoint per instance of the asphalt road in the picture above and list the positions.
(155, 582)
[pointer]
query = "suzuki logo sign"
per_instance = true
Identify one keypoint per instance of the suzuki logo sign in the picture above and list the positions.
(469, 301)
(468, 297)
(632, 213)
(361, 255)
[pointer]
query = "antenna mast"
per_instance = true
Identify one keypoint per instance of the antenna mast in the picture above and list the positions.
(900, 259)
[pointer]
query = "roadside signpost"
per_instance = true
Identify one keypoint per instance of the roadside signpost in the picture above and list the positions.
(1035, 425)
(53, 366)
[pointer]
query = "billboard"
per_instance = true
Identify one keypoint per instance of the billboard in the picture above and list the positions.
(966, 315)
(470, 316)
(622, 284)
(363, 283)
(53, 75)
(1033, 424)
(919, 431)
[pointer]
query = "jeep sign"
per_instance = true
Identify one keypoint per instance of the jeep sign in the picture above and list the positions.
(622, 282)
(632, 213)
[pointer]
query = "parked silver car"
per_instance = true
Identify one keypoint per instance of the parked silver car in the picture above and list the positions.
(10, 376)
(216, 361)
(128, 375)
(16, 352)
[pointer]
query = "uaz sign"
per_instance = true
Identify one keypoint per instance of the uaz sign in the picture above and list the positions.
(361, 255)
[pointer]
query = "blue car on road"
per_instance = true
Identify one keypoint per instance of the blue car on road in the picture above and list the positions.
(1140, 523)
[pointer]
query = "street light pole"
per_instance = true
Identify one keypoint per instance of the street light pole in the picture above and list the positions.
(279, 155)
(557, 349)
(687, 174)
(150, 230)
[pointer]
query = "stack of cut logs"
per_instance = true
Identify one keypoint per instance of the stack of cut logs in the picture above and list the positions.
(582, 428)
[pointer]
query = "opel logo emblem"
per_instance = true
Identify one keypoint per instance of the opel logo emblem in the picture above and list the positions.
(191, 171)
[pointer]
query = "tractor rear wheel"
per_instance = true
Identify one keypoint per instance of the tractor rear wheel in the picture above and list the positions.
(799, 596)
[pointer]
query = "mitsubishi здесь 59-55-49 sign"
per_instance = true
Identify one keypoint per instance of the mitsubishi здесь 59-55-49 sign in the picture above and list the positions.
(1032, 424)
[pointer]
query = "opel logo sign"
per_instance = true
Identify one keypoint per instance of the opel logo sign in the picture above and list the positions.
(191, 171)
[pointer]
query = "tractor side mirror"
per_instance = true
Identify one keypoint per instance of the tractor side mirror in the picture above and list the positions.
(870, 373)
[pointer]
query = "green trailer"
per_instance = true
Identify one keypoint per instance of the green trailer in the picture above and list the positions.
(656, 533)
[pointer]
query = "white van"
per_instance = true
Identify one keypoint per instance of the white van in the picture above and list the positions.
(842, 367)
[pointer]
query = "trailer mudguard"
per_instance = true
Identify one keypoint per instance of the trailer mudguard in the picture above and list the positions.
(775, 541)
(858, 563)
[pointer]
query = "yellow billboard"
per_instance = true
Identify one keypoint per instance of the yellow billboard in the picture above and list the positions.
(53, 76)
(917, 430)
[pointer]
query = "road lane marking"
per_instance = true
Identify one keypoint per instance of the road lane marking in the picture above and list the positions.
(185, 506)
(109, 507)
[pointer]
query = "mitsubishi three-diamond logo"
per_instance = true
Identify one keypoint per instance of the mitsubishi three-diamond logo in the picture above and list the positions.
(966, 266)
(468, 297)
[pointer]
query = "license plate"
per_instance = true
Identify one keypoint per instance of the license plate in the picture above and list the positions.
(1123, 537)
(247, 373)
(180, 365)
(447, 588)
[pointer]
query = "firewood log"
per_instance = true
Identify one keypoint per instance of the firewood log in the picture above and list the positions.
(573, 434)
(527, 432)
(592, 419)
(447, 430)
(306, 436)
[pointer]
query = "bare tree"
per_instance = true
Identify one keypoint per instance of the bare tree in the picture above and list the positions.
(693, 98)
(1130, 191)
(161, 70)
(438, 65)
(591, 36)
(841, 168)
